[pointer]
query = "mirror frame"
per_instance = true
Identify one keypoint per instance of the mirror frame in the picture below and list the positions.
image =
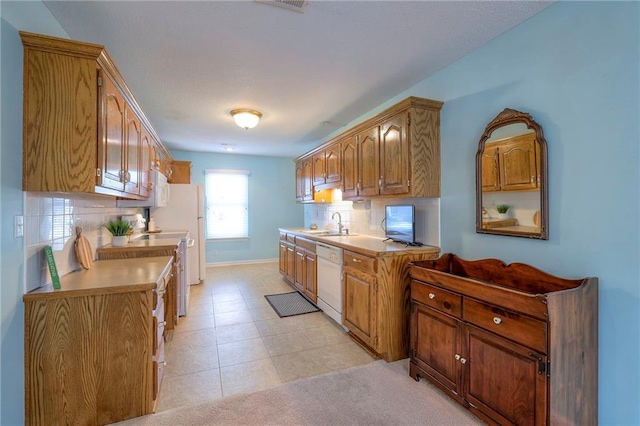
(506, 117)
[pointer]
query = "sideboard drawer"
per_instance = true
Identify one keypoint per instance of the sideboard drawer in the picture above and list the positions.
(437, 298)
(519, 328)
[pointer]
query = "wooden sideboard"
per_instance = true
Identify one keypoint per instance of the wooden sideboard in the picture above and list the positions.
(94, 349)
(513, 344)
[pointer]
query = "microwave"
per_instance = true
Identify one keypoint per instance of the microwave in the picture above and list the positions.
(158, 196)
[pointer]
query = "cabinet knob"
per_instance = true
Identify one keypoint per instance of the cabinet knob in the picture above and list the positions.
(432, 296)
(162, 323)
(497, 320)
(162, 364)
(463, 360)
(457, 357)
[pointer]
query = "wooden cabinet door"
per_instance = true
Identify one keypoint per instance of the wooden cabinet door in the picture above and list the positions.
(369, 161)
(503, 379)
(310, 283)
(394, 156)
(307, 174)
(132, 153)
(300, 181)
(300, 269)
(332, 164)
(359, 309)
(349, 152)
(518, 166)
(145, 162)
(113, 124)
(435, 341)
(282, 260)
(291, 263)
(490, 169)
(319, 168)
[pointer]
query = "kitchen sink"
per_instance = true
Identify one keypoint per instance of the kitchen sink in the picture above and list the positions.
(327, 233)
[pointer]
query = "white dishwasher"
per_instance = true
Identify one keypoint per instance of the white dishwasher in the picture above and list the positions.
(330, 280)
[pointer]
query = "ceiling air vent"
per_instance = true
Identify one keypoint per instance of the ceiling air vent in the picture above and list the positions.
(297, 5)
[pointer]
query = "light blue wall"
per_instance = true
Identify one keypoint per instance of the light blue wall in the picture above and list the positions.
(575, 68)
(35, 17)
(271, 202)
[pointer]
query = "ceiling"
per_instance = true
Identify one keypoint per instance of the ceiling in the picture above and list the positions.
(189, 63)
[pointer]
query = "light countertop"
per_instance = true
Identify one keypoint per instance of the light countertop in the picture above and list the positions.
(365, 244)
(160, 240)
(108, 276)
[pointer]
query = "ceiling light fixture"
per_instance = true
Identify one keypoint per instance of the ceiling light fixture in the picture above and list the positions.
(246, 118)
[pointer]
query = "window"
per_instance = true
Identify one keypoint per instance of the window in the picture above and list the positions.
(227, 199)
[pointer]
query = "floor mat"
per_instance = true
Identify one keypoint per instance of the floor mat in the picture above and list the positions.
(290, 304)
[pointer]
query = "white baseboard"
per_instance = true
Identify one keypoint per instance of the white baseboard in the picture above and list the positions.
(241, 262)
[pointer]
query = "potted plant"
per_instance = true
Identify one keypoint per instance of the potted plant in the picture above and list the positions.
(120, 230)
(502, 211)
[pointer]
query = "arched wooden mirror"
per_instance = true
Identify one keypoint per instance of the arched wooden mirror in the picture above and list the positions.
(511, 174)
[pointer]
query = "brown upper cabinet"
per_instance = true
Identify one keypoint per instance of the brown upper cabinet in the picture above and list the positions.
(83, 129)
(511, 164)
(304, 178)
(181, 172)
(394, 154)
(327, 168)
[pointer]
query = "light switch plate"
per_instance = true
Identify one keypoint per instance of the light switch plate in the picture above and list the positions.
(18, 226)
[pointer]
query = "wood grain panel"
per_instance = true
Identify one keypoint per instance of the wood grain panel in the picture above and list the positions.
(425, 152)
(394, 307)
(88, 359)
(181, 172)
(359, 310)
(573, 345)
(60, 123)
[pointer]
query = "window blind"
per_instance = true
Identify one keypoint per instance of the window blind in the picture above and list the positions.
(227, 200)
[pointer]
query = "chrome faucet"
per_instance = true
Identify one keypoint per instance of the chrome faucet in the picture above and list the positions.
(340, 226)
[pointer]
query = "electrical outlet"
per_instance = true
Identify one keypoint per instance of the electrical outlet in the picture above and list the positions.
(18, 226)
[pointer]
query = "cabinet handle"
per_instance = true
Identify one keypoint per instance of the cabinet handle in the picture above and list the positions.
(457, 357)
(432, 296)
(128, 176)
(161, 293)
(463, 360)
(162, 324)
(162, 364)
(300, 254)
(380, 182)
(533, 179)
(356, 260)
(497, 320)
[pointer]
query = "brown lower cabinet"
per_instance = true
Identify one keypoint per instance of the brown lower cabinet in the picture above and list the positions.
(513, 344)
(94, 350)
(297, 264)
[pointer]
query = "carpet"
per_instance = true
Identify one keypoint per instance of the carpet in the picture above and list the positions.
(374, 394)
(290, 304)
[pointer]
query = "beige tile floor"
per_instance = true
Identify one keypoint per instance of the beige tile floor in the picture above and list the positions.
(232, 341)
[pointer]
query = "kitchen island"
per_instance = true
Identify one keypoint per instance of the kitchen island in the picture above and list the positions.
(94, 349)
(374, 279)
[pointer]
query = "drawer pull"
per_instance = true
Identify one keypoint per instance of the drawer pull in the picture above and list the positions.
(463, 360)
(457, 357)
(497, 320)
(356, 260)
(432, 296)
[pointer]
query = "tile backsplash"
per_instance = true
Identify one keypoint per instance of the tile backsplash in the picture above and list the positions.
(51, 219)
(366, 218)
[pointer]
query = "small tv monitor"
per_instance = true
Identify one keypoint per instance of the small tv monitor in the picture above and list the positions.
(400, 224)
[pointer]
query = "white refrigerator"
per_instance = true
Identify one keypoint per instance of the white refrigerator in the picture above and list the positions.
(185, 211)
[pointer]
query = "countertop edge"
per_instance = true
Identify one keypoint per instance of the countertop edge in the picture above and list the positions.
(394, 249)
